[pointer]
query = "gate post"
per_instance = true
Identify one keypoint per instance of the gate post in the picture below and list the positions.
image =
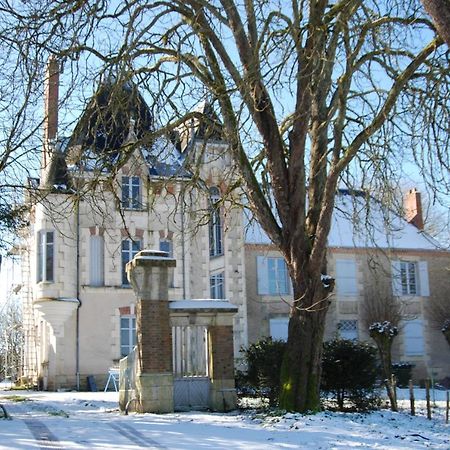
(221, 365)
(148, 274)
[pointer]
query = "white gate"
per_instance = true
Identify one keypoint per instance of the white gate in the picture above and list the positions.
(190, 364)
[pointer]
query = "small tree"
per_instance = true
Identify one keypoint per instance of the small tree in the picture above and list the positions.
(383, 334)
(382, 314)
(349, 372)
(264, 360)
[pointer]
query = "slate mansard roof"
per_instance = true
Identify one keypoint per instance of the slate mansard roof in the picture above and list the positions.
(114, 119)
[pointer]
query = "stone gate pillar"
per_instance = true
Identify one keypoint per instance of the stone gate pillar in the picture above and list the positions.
(148, 275)
(221, 365)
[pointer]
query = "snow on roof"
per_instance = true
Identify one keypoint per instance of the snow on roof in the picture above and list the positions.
(203, 304)
(358, 224)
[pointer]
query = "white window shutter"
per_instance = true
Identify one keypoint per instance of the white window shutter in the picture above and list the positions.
(279, 328)
(413, 338)
(346, 277)
(96, 261)
(262, 268)
(396, 280)
(423, 279)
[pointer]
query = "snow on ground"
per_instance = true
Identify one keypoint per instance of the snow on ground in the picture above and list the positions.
(91, 420)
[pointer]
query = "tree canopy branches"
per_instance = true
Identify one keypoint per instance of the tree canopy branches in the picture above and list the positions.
(312, 95)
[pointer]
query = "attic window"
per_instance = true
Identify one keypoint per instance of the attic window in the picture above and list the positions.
(131, 193)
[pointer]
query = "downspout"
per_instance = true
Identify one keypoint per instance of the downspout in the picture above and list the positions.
(77, 326)
(183, 248)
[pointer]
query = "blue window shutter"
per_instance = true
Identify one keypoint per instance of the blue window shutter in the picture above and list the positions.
(423, 279)
(262, 270)
(396, 280)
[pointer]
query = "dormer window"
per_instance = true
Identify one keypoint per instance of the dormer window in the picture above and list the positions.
(131, 193)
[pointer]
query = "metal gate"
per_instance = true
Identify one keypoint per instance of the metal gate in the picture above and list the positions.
(190, 364)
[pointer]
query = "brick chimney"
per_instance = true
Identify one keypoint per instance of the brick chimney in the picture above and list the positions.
(51, 99)
(412, 204)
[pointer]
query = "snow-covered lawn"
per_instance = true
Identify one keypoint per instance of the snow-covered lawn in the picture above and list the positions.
(91, 420)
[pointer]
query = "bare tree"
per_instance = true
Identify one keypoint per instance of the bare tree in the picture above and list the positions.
(310, 95)
(11, 332)
(439, 314)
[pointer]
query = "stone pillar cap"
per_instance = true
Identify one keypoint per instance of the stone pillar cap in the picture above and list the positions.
(158, 257)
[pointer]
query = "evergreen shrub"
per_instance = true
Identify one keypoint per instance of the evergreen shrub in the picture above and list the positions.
(349, 374)
(263, 361)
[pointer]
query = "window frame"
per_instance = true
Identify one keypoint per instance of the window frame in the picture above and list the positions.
(169, 242)
(215, 224)
(279, 283)
(45, 257)
(131, 254)
(131, 333)
(409, 278)
(217, 285)
(130, 199)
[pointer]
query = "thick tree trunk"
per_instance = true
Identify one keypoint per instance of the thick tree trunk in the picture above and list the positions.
(439, 10)
(301, 368)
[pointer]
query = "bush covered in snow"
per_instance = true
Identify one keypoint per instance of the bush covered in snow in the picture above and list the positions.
(349, 373)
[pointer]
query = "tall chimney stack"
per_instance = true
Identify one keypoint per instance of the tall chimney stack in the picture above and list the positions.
(413, 208)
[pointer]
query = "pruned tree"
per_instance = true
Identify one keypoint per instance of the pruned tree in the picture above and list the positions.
(382, 314)
(310, 95)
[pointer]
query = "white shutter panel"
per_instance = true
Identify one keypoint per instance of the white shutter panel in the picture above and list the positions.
(423, 279)
(396, 280)
(346, 277)
(96, 261)
(279, 328)
(413, 338)
(262, 268)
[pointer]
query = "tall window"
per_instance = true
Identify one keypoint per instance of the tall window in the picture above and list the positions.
(97, 261)
(408, 277)
(215, 224)
(129, 250)
(45, 266)
(131, 193)
(273, 276)
(127, 334)
(217, 285)
(346, 277)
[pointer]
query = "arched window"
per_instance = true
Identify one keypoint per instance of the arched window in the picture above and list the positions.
(215, 224)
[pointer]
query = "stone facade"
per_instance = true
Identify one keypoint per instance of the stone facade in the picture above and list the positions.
(374, 272)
